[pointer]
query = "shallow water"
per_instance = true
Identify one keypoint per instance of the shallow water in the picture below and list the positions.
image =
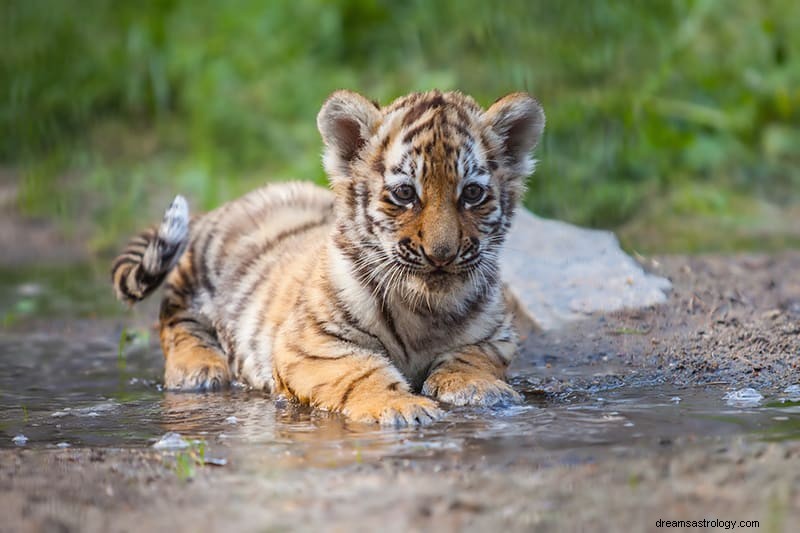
(65, 380)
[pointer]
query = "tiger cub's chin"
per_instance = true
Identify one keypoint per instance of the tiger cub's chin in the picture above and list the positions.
(376, 299)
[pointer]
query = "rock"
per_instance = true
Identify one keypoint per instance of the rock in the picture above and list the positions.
(560, 272)
(747, 397)
(171, 441)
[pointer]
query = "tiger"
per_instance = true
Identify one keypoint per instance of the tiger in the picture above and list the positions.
(378, 297)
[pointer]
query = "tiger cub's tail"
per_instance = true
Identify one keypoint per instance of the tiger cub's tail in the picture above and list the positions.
(149, 257)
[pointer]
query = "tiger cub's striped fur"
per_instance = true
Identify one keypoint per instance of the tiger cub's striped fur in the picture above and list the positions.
(376, 299)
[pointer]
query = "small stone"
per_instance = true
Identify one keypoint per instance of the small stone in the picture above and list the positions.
(20, 440)
(171, 441)
(792, 392)
(746, 397)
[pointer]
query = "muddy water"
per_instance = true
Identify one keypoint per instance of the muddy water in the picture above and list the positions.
(67, 380)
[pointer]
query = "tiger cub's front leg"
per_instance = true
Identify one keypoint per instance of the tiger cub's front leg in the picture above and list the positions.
(344, 377)
(473, 375)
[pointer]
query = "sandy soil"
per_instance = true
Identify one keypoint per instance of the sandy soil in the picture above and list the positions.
(731, 320)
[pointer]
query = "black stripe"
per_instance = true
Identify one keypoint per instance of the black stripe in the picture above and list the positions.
(435, 366)
(200, 265)
(351, 198)
(249, 261)
(415, 131)
(473, 307)
(491, 334)
(419, 108)
(134, 252)
(261, 316)
(122, 260)
(140, 240)
(352, 385)
(495, 352)
(180, 287)
(466, 362)
(181, 292)
(184, 320)
(122, 286)
(149, 282)
(321, 328)
(192, 270)
(313, 357)
(250, 224)
(389, 321)
(167, 254)
(352, 322)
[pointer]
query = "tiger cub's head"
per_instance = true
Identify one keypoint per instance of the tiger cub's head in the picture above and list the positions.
(426, 186)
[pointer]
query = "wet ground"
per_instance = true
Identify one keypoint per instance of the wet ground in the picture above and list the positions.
(629, 418)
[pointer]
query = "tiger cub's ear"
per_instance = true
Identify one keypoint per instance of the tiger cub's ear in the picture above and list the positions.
(346, 121)
(518, 120)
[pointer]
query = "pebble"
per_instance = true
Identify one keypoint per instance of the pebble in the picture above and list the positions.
(20, 440)
(171, 441)
(793, 392)
(746, 397)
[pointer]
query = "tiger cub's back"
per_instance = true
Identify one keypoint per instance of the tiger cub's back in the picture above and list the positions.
(238, 252)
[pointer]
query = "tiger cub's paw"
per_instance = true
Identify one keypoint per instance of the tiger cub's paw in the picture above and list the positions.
(200, 373)
(396, 410)
(458, 388)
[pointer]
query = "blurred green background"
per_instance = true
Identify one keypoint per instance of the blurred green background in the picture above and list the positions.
(676, 123)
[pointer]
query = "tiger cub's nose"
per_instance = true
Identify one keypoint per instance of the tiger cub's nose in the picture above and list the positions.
(441, 254)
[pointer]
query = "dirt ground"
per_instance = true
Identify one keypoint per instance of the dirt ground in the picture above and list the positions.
(42, 240)
(731, 320)
(128, 490)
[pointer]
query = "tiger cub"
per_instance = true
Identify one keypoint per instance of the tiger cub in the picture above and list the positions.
(375, 299)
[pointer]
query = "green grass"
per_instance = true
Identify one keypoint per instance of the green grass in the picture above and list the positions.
(187, 462)
(109, 108)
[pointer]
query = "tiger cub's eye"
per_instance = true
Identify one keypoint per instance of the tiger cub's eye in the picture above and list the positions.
(472, 193)
(404, 194)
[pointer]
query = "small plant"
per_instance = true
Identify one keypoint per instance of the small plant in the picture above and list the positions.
(127, 338)
(187, 461)
(123, 341)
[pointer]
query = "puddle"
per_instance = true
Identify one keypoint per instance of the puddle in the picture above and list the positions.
(65, 383)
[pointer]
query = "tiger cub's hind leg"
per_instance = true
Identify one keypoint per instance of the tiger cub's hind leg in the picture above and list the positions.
(195, 360)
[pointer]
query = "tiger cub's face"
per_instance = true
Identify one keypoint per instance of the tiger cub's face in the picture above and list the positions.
(427, 186)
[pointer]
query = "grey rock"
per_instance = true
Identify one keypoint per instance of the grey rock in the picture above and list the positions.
(560, 272)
